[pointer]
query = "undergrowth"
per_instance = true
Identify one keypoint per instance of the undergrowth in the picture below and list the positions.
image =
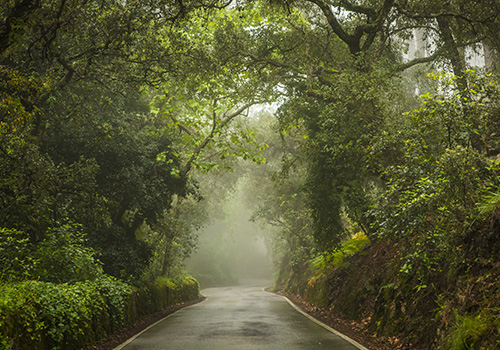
(328, 261)
(474, 332)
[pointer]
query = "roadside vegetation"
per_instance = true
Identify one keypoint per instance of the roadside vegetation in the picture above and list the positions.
(361, 134)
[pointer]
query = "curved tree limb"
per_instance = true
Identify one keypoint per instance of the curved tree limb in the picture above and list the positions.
(226, 119)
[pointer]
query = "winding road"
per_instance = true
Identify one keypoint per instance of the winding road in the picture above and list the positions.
(238, 318)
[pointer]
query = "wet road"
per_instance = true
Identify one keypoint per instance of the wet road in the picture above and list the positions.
(238, 318)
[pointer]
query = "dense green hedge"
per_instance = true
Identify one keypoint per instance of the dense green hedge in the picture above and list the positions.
(161, 294)
(42, 315)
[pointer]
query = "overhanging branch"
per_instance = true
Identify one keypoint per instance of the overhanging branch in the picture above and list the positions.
(421, 60)
(227, 118)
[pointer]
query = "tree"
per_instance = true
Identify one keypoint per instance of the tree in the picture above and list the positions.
(78, 141)
(347, 73)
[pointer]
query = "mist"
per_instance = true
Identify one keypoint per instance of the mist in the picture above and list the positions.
(232, 248)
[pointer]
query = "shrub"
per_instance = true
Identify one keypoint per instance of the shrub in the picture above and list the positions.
(44, 315)
(41, 315)
(16, 262)
(19, 319)
(63, 257)
(60, 257)
(117, 296)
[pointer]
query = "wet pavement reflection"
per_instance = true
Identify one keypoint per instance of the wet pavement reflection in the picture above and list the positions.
(241, 317)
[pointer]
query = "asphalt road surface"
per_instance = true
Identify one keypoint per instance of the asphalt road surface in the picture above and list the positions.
(238, 318)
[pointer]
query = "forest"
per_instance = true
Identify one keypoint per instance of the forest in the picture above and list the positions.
(361, 137)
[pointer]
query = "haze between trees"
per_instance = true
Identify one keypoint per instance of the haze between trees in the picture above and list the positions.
(112, 113)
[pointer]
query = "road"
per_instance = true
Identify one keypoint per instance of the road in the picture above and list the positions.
(238, 318)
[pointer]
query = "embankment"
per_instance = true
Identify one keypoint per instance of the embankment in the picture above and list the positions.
(448, 306)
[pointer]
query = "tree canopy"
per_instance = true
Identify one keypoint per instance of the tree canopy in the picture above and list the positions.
(109, 107)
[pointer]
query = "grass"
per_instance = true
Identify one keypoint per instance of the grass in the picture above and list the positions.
(470, 332)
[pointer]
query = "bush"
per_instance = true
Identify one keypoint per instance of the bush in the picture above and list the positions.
(16, 262)
(60, 257)
(44, 315)
(19, 319)
(117, 296)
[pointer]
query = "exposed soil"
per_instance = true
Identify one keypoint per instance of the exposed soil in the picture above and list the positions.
(123, 335)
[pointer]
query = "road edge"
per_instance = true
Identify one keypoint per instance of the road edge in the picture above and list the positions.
(131, 339)
(319, 323)
(294, 306)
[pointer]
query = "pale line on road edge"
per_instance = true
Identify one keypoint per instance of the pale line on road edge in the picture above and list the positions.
(130, 340)
(328, 328)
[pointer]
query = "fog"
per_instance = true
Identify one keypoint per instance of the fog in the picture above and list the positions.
(231, 249)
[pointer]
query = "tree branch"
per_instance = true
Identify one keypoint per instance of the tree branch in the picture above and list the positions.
(353, 41)
(377, 25)
(70, 71)
(357, 8)
(428, 59)
(226, 120)
(18, 11)
(181, 126)
(350, 40)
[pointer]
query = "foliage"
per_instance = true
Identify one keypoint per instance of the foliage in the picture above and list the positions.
(93, 99)
(277, 194)
(77, 138)
(136, 187)
(470, 330)
(489, 204)
(16, 260)
(174, 237)
(433, 194)
(63, 257)
(108, 107)
(52, 316)
(45, 315)
(207, 99)
(323, 263)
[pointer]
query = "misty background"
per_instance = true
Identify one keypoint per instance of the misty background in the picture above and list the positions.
(231, 247)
